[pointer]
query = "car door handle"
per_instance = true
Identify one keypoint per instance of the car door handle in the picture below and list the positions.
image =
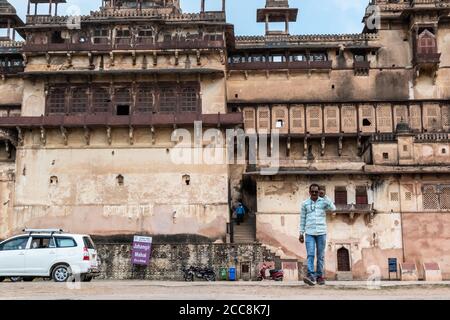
(52, 252)
(22, 254)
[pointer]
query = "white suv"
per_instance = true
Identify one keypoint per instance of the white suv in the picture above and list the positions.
(48, 253)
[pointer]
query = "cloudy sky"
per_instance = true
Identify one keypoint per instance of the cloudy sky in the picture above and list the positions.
(316, 16)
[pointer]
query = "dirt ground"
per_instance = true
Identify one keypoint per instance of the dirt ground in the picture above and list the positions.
(150, 290)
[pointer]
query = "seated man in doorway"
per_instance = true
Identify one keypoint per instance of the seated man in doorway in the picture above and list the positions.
(313, 223)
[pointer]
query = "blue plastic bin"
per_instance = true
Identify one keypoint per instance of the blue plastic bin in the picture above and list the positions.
(232, 274)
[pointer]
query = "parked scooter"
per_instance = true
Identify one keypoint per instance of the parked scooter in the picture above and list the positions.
(192, 273)
(274, 274)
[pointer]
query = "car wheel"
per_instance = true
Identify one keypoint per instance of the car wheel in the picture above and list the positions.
(61, 273)
(15, 279)
(2, 279)
(28, 279)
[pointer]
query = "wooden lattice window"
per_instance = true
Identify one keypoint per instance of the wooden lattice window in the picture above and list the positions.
(145, 99)
(101, 100)
(415, 117)
(331, 119)
(188, 99)
(446, 116)
(367, 118)
(263, 119)
(79, 100)
(297, 119)
(343, 260)
(56, 101)
(249, 118)
(444, 197)
(432, 115)
(340, 195)
(349, 118)
(384, 118)
(430, 197)
(361, 195)
(426, 43)
(314, 117)
(167, 100)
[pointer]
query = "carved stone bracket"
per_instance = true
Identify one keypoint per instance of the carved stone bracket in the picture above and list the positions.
(177, 57)
(43, 136)
(322, 146)
(198, 55)
(87, 135)
(133, 57)
(48, 59)
(131, 135)
(340, 145)
(111, 59)
(155, 58)
(153, 134)
(20, 138)
(108, 135)
(64, 135)
(91, 60)
(69, 60)
(222, 56)
(305, 146)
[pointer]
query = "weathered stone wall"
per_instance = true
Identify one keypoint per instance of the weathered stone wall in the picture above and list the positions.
(426, 239)
(167, 260)
(11, 90)
(77, 188)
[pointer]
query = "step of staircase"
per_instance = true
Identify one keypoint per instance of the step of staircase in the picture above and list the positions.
(245, 232)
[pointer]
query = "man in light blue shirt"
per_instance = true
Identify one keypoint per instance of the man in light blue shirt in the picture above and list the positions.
(313, 223)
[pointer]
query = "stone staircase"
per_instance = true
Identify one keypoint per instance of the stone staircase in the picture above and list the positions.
(246, 231)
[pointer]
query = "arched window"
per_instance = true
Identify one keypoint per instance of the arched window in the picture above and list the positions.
(343, 260)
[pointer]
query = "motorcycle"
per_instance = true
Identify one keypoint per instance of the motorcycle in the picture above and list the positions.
(274, 274)
(192, 273)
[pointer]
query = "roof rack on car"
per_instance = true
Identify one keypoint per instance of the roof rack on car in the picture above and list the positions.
(51, 231)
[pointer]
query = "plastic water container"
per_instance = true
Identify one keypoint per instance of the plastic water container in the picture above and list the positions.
(223, 274)
(232, 274)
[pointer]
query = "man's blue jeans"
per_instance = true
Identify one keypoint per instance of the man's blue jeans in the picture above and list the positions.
(313, 242)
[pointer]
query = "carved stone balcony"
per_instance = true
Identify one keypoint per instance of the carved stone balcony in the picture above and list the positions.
(361, 68)
(428, 58)
(352, 211)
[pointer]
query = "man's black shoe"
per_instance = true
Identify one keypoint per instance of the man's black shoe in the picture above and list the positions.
(309, 281)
